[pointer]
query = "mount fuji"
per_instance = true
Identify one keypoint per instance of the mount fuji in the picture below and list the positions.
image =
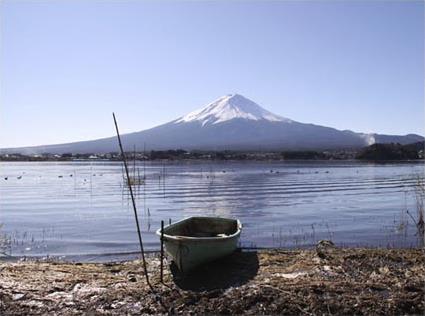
(232, 122)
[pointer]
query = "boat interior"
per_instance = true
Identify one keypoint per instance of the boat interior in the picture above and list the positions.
(203, 227)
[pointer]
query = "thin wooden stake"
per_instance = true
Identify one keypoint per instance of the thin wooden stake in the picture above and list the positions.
(162, 251)
(134, 204)
(169, 221)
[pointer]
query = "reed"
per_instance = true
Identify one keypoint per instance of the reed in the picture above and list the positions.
(419, 190)
(420, 211)
(5, 243)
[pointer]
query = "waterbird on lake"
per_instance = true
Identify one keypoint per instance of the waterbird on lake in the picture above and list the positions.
(60, 176)
(19, 177)
(6, 178)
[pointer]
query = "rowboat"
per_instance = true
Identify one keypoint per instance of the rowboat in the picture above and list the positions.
(197, 240)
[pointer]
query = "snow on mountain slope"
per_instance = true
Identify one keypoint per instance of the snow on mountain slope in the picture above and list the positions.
(230, 107)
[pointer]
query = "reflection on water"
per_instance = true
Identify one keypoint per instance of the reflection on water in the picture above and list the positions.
(66, 208)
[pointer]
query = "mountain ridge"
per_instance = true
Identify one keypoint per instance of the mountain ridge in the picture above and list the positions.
(231, 122)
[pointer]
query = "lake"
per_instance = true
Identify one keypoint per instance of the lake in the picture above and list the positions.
(83, 210)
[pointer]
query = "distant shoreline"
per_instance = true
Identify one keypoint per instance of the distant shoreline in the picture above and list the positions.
(384, 161)
(376, 153)
(223, 161)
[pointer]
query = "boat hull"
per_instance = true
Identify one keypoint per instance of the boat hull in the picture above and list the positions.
(189, 252)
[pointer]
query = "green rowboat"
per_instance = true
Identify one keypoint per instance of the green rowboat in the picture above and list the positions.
(197, 240)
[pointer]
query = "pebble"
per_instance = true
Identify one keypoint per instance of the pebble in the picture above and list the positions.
(18, 296)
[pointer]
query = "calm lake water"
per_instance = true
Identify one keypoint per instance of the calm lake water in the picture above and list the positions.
(82, 209)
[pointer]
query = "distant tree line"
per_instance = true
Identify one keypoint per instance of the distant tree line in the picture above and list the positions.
(392, 152)
(303, 155)
(374, 152)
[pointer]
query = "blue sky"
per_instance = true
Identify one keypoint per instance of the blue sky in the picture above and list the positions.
(66, 65)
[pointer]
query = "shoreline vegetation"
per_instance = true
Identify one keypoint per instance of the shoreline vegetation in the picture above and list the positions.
(326, 280)
(375, 152)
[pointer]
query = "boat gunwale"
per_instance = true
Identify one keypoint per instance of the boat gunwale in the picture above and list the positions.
(188, 238)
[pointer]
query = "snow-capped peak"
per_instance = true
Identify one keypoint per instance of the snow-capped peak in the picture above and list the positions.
(230, 107)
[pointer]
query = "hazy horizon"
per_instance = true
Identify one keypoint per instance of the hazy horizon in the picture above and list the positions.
(66, 66)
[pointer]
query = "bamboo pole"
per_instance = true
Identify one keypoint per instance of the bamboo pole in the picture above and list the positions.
(162, 251)
(134, 204)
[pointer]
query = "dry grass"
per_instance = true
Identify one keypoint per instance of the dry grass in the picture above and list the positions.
(323, 281)
(4, 243)
(419, 190)
(420, 210)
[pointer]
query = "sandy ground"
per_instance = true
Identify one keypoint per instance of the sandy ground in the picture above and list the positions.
(325, 280)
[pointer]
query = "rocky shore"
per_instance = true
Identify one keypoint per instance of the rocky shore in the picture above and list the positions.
(326, 280)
